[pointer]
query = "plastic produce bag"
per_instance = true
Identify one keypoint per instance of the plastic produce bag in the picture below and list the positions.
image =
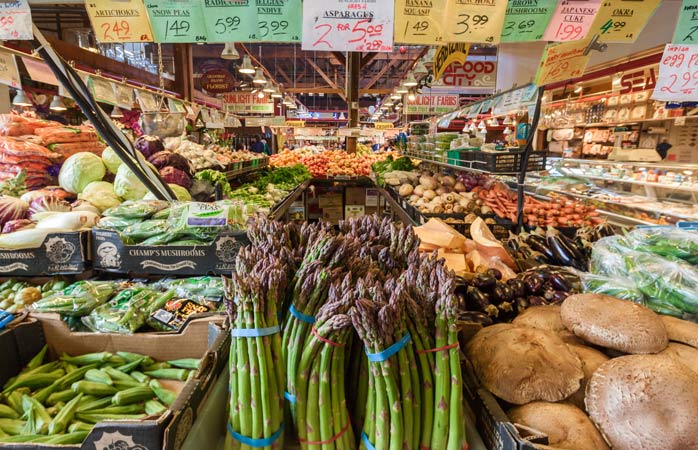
(668, 242)
(78, 299)
(116, 223)
(174, 313)
(607, 257)
(141, 209)
(206, 288)
(125, 313)
(615, 287)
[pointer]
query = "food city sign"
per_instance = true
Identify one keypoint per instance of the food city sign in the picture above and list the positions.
(432, 104)
(471, 74)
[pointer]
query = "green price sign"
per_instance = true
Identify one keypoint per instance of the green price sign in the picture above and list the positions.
(176, 21)
(687, 25)
(279, 20)
(231, 21)
(525, 22)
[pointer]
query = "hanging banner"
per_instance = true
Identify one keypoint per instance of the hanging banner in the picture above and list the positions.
(562, 62)
(527, 21)
(678, 74)
(247, 103)
(279, 20)
(474, 20)
(9, 74)
(124, 96)
(348, 25)
(431, 104)
(687, 25)
(15, 20)
(230, 21)
(420, 22)
(175, 21)
(572, 20)
(621, 21)
(217, 81)
(119, 20)
(447, 54)
(102, 90)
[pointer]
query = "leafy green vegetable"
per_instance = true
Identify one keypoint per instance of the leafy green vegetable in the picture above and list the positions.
(14, 187)
(216, 178)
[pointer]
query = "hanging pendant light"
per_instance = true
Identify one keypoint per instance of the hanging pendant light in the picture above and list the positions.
(259, 77)
(246, 66)
(494, 122)
(230, 52)
(402, 89)
(57, 104)
(261, 95)
(482, 126)
(420, 69)
(410, 81)
(507, 131)
(21, 99)
(395, 96)
(116, 113)
(269, 88)
(276, 93)
(507, 121)
(411, 97)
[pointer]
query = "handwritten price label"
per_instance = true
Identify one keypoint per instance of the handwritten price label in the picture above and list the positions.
(678, 74)
(280, 22)
(687, 26)
(349, 26)
(524, 23)
(174, 21)
(420, 22)
(562, 62)
(9, 74)
(572, 20)
(231, 21)
(15, 20)
(475, 20)
(623, 20)
(119, 21)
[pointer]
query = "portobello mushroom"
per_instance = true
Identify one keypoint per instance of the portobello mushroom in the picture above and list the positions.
(591, 360)
(685, 354)
(681, 330)
(546, 317)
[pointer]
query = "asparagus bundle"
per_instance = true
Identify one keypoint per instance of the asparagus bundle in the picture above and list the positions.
(253, 294)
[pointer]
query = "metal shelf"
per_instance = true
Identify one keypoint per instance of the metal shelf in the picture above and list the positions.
(454, 167)
(639, 183)
(232, 174)
(617, 124)
(607, 162)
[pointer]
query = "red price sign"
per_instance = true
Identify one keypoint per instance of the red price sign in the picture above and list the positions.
(119, 21)
(678, 74)
(119, 31)
(355, 26)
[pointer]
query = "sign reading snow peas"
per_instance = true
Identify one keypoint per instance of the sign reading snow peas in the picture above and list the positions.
(176, 21)
(419, 22)
(687, 25)
(279, 20)
(230, 20)
(562, 62)
(15, 20)
(623, 20)
(348, 25)
(678, 74)
(525, 21)
(572, 20)
(475, 20)
(119, 21)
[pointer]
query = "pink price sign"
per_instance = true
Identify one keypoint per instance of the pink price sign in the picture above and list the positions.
(678, 74)
(571, 20)
(348, 25)
(15, 20)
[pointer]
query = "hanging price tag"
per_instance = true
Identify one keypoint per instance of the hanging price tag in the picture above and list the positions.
(572, 20)
(9, 74)
(119, 20)
(124, 96)
(525, 21)
(678, 74)
(562, 62)
(687, 25)
(419, 22)
(147, 101)
(623, 20)
(230, 20)
(348, 25)
(102, 90)
(279, 20)
(475, 20)
(176, 21)
(15, 20)
(176, 105)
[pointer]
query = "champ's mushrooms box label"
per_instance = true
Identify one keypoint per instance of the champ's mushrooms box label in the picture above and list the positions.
(59, 254)
(110, 254)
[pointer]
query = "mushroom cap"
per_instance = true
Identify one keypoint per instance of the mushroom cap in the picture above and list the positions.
(685, 354)
(546, 317)
(521, 364)
(591, 360)
(613, 323)
(647, 402)
(567, 426)
(681, 330)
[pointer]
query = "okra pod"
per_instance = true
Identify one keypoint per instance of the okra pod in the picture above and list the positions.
(117, 375)
(38, 359)
(130, 357)
(16, 382)
(116, 360)
(140, 376)
(123, 409)
(166, 396)
(43, 394)
(156, 366)
(53, 410)
(37, 381)
(20, 438)
(43, 418)
(94, 418)
(169, 374)
(185, 363)
(11, 426)
(80, 426)
(122, 385)
(129, 366)
(61, 396)
(98, 376)
(154, 408)
(6, 412)
(67, 439)
(133, 395)
(95, 404)
(69, 367)
(92, 388)
(68, 379)
(63, 418)
(14, 399)
(87, 359)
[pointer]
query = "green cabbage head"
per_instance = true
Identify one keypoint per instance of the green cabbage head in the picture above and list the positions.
(79, 170)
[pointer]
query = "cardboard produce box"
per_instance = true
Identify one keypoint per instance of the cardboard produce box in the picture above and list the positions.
(59, 254)
(110, 254)
(355, 196)
(201, 338)
(333, 214)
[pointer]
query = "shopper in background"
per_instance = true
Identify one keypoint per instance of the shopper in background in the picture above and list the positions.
(375, 146)
(265, 147)
(257, 145)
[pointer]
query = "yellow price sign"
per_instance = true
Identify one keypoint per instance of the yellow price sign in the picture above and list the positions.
(383, 125)
(475, 20)
(448, 54)
(419, 22)
(119, 20)
(562, 62)
(295, 123)
(622, 20)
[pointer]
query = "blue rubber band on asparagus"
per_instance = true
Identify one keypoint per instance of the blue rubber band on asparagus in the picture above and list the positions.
(254, 332)
(390, 351)
(366, 442)
(256, 443)
(300, 316)
(290, 397)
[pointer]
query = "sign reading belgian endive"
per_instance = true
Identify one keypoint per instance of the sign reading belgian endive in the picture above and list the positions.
(447, 54)
(279, 20)
(119, 20)
(527, 20)
(474, 20)
(15, 20)
(230, 21)
(420, 21)
(623, 20)
(176, 21)
(572, 20)
(348, 25)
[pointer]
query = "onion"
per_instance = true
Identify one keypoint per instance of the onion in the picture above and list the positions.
(448, 180)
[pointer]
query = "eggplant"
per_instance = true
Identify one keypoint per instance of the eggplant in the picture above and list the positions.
(506, 311)
(536, 300)
(534, 283)
(521, 304)
(560, 253)
(549, 294)
(571, 246)
(501, 292)
(476, 317)
(495, 273)
(559, 297)
(484, 281)
(475, 300)
(541, 247)
(560, 283)
(517, 286)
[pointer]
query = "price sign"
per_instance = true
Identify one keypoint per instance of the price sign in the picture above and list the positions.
(15, 20)
(420, 22)
(687, 25)
(176, 21)
(623, 20)
(147, 101)
(102, 90)
(527, 21)
(348, 25)
(475, 20)
(124, 96)
(9, 74)
(562, 62)
(279, 20)
(572, 20)
(119, 20)
(678, 74)
(176, 106)
(231, 20)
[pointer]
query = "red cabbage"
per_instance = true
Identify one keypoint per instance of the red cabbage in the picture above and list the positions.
(149, 145)
(172, 175)
(165, 158)
(12, 208)
(16, 225)
(48, 203)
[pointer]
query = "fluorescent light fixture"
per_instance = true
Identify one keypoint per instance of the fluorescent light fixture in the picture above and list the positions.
(246, 66)
(21, 99)
(57, 104)
(259, 77)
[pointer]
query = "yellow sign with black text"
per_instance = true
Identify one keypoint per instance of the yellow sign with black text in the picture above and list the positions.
(621, 21)
(447, 54)
(119, 20)
(562, 62)
(419, 22)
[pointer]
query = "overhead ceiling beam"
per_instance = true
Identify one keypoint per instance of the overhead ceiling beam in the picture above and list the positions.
(258, 63)
(324, 76)
(367, 58)
(337, 91)
(381, 72)
(340, 57)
